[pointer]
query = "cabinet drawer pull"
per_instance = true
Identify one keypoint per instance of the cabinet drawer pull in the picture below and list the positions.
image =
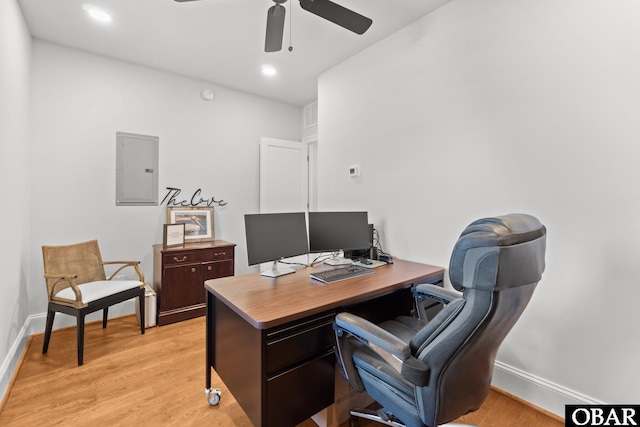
(184, 258)
(193, 269)
(220, 253)
(209, 268)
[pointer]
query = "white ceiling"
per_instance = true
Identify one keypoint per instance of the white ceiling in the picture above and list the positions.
(221, 41)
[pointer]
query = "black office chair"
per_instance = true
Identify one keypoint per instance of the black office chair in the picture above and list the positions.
(430, 372)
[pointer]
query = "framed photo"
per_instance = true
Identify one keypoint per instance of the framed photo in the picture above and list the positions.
(198, 222)
(173, 235)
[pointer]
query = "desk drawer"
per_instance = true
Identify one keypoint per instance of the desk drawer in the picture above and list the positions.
(288, 346)
(306, 389)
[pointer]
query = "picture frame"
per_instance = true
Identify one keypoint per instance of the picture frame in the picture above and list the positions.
(173, 235)
(198, 222)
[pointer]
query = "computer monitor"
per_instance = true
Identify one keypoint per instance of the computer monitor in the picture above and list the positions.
(274, 236)
(336, 231)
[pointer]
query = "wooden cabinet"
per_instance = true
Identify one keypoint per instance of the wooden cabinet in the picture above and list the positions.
(179, 274)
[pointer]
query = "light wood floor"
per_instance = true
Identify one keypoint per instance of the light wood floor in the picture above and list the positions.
(156, 379)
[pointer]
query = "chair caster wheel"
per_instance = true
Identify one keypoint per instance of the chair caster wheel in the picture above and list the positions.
(213, 396)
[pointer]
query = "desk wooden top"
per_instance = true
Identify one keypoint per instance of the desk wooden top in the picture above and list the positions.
(266, 302)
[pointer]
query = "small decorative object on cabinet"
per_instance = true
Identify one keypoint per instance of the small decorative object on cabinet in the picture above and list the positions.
(179, 274)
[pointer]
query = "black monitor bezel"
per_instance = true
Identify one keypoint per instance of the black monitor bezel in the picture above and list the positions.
(267, 232)
(313, 248)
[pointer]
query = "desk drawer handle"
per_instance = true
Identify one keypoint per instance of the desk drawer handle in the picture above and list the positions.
(184, 258)
(193, 269)
(209, 268)
(220, 253)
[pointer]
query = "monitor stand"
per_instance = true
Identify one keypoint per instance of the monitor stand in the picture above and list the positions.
(277, 272)
(338, 261)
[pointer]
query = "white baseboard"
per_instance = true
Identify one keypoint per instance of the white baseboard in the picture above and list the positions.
(36, 323)
(537, 391)
(10, 363)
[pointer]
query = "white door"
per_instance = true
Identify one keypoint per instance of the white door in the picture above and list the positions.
(284, 181)
(284, 176)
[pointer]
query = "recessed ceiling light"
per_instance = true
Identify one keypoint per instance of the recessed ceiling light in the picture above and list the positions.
(97, 13)
(268, 70)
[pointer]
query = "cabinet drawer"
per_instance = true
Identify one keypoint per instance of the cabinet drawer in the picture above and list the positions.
(286, 347)
(216, 269)
(187, 257)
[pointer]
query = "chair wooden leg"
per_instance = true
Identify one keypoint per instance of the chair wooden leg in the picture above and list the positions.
(80, 334)
(47, 330)
(142, 306)
(105, 315)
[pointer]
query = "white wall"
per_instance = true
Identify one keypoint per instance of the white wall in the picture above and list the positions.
(79, 101)
(15, 52)
(498, 106)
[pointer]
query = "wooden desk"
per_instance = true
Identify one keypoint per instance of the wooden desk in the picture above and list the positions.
(271, 340)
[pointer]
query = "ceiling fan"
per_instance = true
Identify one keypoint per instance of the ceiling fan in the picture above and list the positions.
(326, 9)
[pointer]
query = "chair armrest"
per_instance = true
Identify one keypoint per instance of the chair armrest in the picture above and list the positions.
(134, 264)
(389, 347)
(68, 278)
(437, 293)
(372, 334)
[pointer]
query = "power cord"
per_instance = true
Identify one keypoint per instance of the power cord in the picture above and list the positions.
(382, 255)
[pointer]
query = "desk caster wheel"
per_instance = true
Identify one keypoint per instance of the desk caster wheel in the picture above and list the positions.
(213, 396)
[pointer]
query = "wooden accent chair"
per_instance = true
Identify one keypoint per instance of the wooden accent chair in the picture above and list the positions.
(77, 285)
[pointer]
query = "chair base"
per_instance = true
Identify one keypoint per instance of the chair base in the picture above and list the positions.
(377, 416)
(383, 418)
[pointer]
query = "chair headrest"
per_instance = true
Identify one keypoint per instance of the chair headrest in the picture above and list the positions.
(498, 253)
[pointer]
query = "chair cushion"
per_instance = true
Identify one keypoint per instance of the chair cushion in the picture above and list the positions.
(93, 291)
(403, 327)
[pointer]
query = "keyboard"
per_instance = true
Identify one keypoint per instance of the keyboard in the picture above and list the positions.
(340, 273)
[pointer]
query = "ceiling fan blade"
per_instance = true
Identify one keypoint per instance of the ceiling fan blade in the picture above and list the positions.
(338, 15)
(275, 28)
